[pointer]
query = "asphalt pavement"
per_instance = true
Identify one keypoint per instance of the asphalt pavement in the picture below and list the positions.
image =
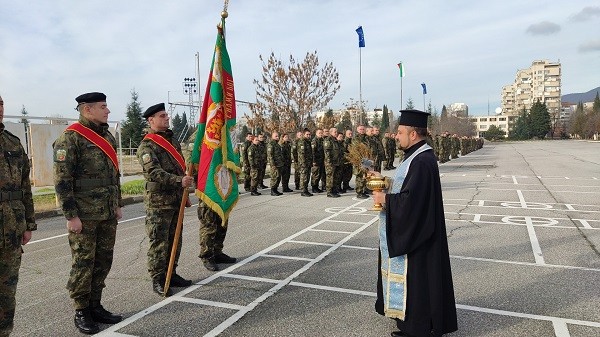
(523, 223)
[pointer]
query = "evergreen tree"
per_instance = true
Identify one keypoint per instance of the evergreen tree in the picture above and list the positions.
(345, 123)
(328, 120)
(596, 106)
(133, 127)
(494, 133)
(443, 118)
(385, 119)
(539, 120)
(409, 104)
(177, 124)
(520, 130)
(376, 120)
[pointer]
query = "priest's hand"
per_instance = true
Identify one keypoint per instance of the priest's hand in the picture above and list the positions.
(379, 197)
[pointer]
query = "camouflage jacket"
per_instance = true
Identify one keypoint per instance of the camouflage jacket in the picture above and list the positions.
(333, 153)
(254, 156)
(244, 152)
(295, 145)
(262, 154)
(274, 154)
(305, 154)
(16, 202)
(286, 152)
(317, 150)
(86, 181)
(162, 172)
(346, 145)
(390, 147)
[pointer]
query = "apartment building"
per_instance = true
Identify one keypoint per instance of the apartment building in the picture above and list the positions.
(501, 121)
(540, 81)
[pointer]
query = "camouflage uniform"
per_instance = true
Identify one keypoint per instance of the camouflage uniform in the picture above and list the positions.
(275, 158)
(333, 163)
(378, 151)
(263, 163)
(390, 147)
(455, 143)
(295, 143)
(87, 186)
(361, 187)
(286, 152)
(16, 217)
(305, 160)
(346, 165)
(318, 168)
(254, 162)
(162, 199)
(212, 233)
(245, 165)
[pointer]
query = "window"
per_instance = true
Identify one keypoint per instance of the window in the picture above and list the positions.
(483, 120)
(483, 127)
(492, 119)
(502, 119)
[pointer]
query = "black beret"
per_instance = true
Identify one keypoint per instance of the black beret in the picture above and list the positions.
(154, 109)
(91, 97)
(416, 118)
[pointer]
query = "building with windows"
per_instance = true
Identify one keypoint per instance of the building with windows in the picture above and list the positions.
(541, 81)
(501, 121)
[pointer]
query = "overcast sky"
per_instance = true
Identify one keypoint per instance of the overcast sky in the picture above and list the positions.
(465, 51)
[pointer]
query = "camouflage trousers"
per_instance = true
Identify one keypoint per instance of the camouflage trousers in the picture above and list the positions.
(304, 177)
(346, 175)
(247, 178)
(10, 261)
(160, 228)
(275, 176)
(361, 182)
(296, 175)
(91, 260)
(254, 173)
(212, 234)
(261, 174)
(333, 178)
(318, 175)
(285, 176)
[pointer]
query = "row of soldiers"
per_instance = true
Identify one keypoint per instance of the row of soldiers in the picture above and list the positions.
(319, 161)
(448, 146)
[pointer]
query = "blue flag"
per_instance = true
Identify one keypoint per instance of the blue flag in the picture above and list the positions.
(424, 88)
(361, 37)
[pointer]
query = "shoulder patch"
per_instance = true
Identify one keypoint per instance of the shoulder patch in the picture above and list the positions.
(60, 155)
(146, 158)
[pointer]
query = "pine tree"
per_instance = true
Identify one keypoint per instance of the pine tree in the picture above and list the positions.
(385, 119)
(539, 120)
(346, 122)
(134, 124)
(409, 104)
(520, 130)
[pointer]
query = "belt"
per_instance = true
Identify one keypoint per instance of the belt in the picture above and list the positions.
(11, 195)
(158, 187)
(88, 184)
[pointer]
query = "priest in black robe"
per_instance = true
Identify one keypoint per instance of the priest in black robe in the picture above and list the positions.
(415, 232)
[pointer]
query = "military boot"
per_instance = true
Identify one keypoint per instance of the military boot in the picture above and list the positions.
(306, 193)
(224, 258)
(158, 285)
(84, 322)
(101, 315)
(210, 264)
(178, 281)
(287, 189)
(275, 193)
(255, 192)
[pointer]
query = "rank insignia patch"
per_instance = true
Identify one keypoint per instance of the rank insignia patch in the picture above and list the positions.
(146, 158)
(60, 155)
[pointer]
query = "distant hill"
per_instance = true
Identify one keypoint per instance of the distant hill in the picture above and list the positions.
(581, 97)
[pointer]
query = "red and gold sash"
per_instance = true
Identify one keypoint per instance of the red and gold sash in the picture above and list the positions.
(97, 140)
(162, 142)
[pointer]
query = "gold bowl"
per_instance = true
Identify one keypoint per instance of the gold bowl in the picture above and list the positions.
(377, 184)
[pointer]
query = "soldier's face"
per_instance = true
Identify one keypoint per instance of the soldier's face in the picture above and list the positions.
(275, 136)
(307, 135)
(159, 121)
(286, 138)
(361, 130)
(97, 112)
(319, 133)
(348, 134)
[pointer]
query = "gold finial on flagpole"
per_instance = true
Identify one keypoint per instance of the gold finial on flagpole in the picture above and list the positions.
(224, 13)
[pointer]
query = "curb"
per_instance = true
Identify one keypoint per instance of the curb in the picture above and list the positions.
(57, 212)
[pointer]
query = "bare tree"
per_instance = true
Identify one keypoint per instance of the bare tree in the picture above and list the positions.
(288, 94)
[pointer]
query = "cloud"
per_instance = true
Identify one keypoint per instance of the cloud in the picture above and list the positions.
(586, 14)
(543, 28)
(590, 46)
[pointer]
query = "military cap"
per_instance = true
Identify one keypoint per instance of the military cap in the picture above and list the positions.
(91, 97)
(416, 118)
(154, 109)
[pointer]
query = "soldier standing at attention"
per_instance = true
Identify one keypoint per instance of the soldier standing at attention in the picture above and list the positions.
(164, 169)
(275, 158)
(361, 183)
(305, 159)
(286, 152)
(295, 144)
(318, 166)
(347, 166)
(212, 236)
(340, 140)
(332, 163)
(254, 162)
(16, 206)
(86, 179)
(379, 150)
(244, 157)
(263, 160)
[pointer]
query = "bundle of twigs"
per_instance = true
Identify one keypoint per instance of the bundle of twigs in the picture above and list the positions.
(357, 152)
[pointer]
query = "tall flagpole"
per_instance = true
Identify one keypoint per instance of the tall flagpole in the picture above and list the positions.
(360, 85)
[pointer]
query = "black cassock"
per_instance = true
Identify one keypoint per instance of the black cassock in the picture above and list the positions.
(416, 227)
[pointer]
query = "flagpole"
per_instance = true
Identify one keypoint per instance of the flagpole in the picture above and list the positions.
(401, 93)
(360, 84)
